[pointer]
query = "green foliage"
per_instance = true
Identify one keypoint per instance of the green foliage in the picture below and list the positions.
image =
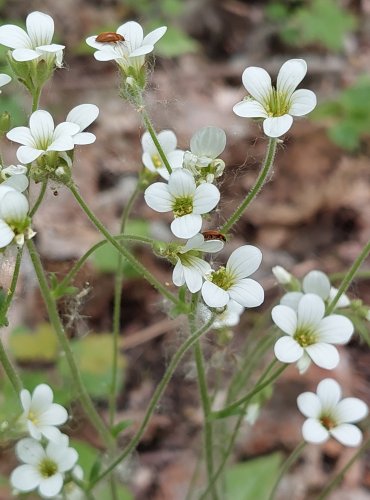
(319, 21)
(253, 479)
(38, 345)
(176, 42)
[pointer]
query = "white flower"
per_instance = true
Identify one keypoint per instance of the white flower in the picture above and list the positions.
(41, 137)
(151, 158)
(43, 468)
(230, 316)
(231, 282)
(83, 116)
(36, 42)
(276, 105)
(14, 176)
(187, 201)
(329, 416)
(282, 275)
(190, 267)
(131, 51)
(4, 79)
(40, 414)
(13, 216)
(309, 333)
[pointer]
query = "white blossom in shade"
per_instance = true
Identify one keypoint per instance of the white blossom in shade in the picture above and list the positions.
(42, 137)
(40, 415)
(190, 267)
(36, 42)
(83, 116)
(15, 177)
(330, 416)
(4, 79)
(14, 220)
(151, 158)
(43, 468)
(232, 282)
(187, 201)
(276, 105)
(131, 51)
(309, 333)
(229, 317)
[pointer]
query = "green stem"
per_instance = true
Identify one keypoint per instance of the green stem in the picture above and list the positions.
(361, 275)
(347, 280)
(293, 457)
(13, 285)
(266, 167)
(185, 346)
(36, 99)
(9, 369)
(39, 198)
(85, 399)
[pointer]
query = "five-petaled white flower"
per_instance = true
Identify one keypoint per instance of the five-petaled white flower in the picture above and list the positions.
(4, 79)
(190, 267)
(40, 415)
(276, 106)
(36, 42)
(231, 282)
(43, 468)
(131, 51)
(14, 176)
(83, 116)
(187, 201)
(14, 221)
(151, 158)
(309, 334)
(329, 416)
(41, 137)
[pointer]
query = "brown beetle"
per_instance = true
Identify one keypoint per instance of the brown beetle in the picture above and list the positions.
(109, 37)
(213, 234)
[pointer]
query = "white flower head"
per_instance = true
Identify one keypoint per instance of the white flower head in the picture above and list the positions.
(14, 220)
(309, 334)
(4, 79)
(276, 105)
(35, 43)
(43, 468)
(330, 416)
(151, 158)
(129, 48)
(187, 201)
(282, 275)
(42, 137)
(40, 415)
(229, 317)
(190, 267)
(83, 116)
(14, 176)
(232, 282)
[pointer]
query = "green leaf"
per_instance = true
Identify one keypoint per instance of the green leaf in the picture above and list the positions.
(87, 455)
(39, 345)
(253, 479)
(120, 427)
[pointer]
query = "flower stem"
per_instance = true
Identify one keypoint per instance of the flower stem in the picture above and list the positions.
(293, 457)
(185, 346)
(266, 167)
(39, 198)
(13, 285)
(36, 99)
(9, 369)
(63, 340)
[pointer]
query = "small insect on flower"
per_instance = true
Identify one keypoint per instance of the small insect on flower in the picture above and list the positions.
(213, 234)
(109, 37)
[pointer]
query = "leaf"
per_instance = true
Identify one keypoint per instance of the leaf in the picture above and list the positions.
(120, 427)
(40, 345)
(87, 455)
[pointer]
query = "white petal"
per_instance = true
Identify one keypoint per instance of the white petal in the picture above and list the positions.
(142, 51)
(25, 397)
(52, 48)
(247, 293)
(29, 451)
(291, 299)
(178, 276)
(335, 329)
(68, 460)
(244, 261)
(4, 79)
(175, 159)
(64, 143)
(277, 125)
(290, 75)
(6, 234)
(40, 28)
(257, 82)
(287, 350)
(51, 486)
(186, 226)
(41, 126)
(83, 115)
(27, 154)
(212, 246)
(18, 182)
(181, 183)
(33, 430)
(344, 301)
(65, 129)
(22, 55)
(14, 37)
(351, 410)
(323, 355)
(196, 242)
(155, 35)
(133, 34)
(250, 109)
(158, 197)
(311, 310)
(91, 40)
(108, 54)
(25, 478)
(51, 433)
(205, 199)
(55, 414)
(285, 318)
(213, 295)
(317, 282)
(309, 404)
(347, 434)
(42, 398)
(14, 207)
(329, 392)
(314, 432)
(84, 138)
(193, 278)
(22, 135)
(303, 363)
(302, 102)
(168, 141)
(208, 141)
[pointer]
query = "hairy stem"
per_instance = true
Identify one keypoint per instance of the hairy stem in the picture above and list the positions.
(39, 198)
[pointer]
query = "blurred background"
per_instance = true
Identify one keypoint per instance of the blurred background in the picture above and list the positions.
(314, 214)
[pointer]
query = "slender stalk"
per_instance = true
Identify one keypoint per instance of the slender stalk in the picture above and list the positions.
(85, 399)
(36, 99)
(361, 275)
(9, 369)
(266, 167)
(293, 457)
(39, 198)
(347, 280)
(185, 346)
(13, 285)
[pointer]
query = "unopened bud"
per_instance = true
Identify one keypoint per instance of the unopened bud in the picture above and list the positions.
(282, 275)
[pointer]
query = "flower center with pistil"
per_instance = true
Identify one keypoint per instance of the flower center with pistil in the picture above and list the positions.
(33, 417)
(183, 206)
(48, 467)
(277, 103)
(222, 278)
(305, 336)
(328, 421)
(157, 162)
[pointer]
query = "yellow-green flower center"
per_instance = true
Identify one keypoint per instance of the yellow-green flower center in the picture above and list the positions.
(47, 467)
(33, 417)
(183, 206)
(328, 421)
(222, 278)
(305, 336)
(277, 103)
(157, 162)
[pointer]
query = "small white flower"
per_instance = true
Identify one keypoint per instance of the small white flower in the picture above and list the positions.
(131, 51)
(83, 116)
(187, 201)
(40, 415)
(13, 216)
(43, 468)
(329, 416)
(4, 79)
(309, 333)
(276, 106)
(41, 137)
(230, 316)
(282, 275)
(190, 267)
(231, 282)
(14, 176)
(36, 42)
(151, 158)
